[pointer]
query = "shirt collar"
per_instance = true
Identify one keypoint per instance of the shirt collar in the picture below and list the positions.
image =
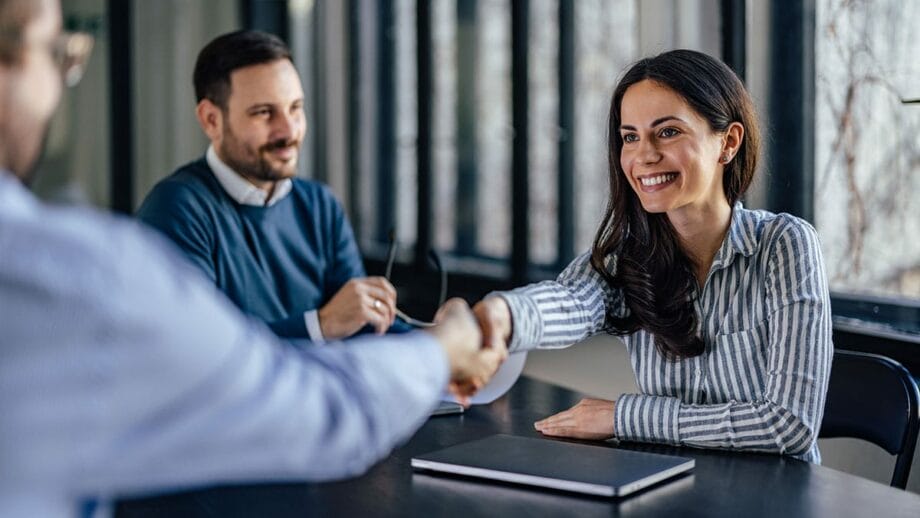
(741, 237)
(240, 189)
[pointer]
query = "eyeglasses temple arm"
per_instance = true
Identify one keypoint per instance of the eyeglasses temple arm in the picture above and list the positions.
(436, 259)
(391, 254)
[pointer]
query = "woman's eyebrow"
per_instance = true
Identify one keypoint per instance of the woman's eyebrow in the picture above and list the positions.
(656, 122)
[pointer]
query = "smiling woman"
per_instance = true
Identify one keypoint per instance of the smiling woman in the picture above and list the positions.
(724, 311)
(687, 153)
(678, 150)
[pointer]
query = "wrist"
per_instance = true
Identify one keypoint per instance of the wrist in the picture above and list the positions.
(314, 329)
(324, 324)
(450, 352)
(502, 315)
(613, 420)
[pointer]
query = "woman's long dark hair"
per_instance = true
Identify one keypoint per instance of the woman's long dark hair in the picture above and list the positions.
(655, 275)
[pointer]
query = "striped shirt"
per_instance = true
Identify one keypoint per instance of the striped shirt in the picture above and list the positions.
(764, 316)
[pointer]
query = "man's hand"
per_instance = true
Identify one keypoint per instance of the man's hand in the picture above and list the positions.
(369, 300)
(589, 419)
(471, 366)
(494, 318)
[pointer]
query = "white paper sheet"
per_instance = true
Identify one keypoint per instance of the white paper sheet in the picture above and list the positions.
(503, 380)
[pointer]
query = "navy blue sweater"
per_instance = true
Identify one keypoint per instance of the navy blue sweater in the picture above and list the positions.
(274, 262)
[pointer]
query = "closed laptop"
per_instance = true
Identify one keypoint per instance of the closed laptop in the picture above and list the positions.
(593, 470)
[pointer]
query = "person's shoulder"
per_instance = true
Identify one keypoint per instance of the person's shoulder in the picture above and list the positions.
(313, 188)
(786, 226)
(83, 249)
(317, 195)
(118, 272)
(194, 176)
(781, 234)
(191, 185)
(769, 227)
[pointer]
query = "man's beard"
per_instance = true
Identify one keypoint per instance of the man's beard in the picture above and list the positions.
(257, 168)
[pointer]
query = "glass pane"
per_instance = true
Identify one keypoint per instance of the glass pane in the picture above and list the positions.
(444, 115)
(867, 145)
(75, 166)
(493, 128)
(365, 142)
(606, 42)
(544, 130)
(406, 123)
(167, 39)
(302, 37)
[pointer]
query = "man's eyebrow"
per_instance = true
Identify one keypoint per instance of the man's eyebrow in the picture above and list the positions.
(258, 106)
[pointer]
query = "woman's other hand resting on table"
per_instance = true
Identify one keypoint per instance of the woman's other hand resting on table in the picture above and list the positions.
(589, 419)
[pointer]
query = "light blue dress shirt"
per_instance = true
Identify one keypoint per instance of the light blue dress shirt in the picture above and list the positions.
(123, 370)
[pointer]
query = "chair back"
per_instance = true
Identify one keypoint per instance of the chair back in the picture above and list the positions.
(874, 398)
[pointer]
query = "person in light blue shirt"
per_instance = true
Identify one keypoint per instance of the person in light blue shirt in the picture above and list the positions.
(724, 311)
(124, 370)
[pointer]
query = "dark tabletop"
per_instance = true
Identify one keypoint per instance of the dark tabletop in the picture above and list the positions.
(722, 484)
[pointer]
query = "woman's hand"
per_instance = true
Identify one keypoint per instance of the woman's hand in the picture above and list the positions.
(589, 419)
(494, 318)
(471, 365)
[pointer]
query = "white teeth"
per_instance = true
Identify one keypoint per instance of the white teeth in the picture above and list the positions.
(655, 180)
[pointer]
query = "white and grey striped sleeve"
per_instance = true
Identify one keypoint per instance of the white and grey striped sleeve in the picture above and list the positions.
(787, 416)
(556, 314)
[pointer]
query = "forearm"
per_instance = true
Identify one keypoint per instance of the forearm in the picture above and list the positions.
(756, 426)
(307, 325)
(293, 326)
(544, 316)
(556, 314)
(370, 395)
(273, 413)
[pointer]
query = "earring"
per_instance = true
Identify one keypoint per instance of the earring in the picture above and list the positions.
(725, 158)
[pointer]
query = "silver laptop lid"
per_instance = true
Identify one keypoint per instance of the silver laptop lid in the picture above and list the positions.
(594, 470)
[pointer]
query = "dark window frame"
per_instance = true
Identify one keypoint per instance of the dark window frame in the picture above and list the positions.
(121, 115)
(888, 325)
(791, 111)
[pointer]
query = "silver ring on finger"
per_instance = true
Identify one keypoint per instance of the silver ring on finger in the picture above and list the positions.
(377, 304)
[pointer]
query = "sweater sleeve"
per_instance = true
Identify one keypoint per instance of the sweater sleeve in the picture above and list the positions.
(294, 326)
(344, 257)
(345, 260)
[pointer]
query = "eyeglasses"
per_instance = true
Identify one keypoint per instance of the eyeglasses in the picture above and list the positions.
(71, 51)
(442, 275)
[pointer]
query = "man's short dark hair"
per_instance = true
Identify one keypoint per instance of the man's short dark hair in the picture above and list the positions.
(229, 52)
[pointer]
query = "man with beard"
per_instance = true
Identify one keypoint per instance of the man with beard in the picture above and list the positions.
(280, 247)
(123, 370)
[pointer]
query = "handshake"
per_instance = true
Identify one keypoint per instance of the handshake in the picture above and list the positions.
(475, 342)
